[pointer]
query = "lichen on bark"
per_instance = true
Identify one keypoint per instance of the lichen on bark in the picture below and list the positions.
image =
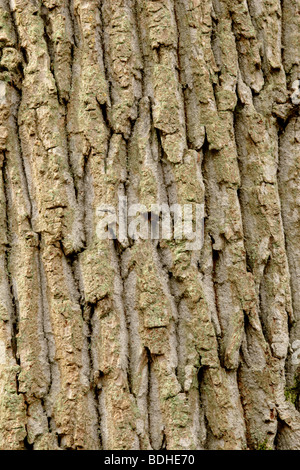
(134, 343)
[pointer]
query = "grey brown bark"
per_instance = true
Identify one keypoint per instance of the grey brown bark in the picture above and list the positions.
(144, 344)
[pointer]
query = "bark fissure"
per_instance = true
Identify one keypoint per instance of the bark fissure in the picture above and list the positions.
(134, 343)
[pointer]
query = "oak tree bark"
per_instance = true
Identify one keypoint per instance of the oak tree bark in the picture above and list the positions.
(143, 344)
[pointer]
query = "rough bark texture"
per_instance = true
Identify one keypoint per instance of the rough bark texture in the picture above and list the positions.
(145, 344)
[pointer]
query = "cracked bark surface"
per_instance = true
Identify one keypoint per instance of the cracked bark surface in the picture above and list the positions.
(143, 344)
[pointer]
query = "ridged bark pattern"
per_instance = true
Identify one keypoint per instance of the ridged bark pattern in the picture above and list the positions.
(144, 344)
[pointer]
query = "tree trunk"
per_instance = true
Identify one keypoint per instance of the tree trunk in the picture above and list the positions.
(143, 343)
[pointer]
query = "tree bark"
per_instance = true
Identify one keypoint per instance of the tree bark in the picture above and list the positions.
(144, 344)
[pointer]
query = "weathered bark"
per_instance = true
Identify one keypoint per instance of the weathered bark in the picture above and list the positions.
(144, 344)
